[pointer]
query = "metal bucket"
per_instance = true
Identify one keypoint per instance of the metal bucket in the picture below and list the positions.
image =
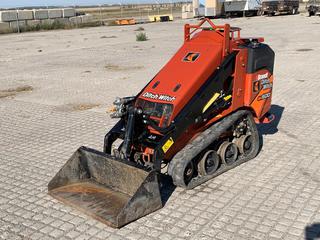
(108, 189)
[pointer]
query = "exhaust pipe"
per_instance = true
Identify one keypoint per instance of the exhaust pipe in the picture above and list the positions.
(113, 191)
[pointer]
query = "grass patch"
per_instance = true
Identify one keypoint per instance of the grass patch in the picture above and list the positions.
(113, 67)
(85, 106)
(7, 31)
(140, 37)
(91, 24)
(71, 107)
(108, 37)
(139, 29)
(13, 91)
(304, 50)
(44, 26)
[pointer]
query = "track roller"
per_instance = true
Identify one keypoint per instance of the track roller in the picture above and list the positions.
(189, 172)
(245, 144)
(209, 163)
(228, 152)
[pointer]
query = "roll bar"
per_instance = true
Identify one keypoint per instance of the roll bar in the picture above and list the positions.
(223, 30)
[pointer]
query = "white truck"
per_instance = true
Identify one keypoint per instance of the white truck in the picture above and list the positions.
(242, 7)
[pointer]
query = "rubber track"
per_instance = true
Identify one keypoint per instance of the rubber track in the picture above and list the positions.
(202, 141)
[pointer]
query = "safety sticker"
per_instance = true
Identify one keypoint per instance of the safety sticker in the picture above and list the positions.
(191, 57)
(167, 145)
(209, 103)
(264, 96)
(261, 85)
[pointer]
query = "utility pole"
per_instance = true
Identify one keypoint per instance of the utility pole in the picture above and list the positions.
(120, 9)
(18, 26)
(158, 7)
(140, 9)
(100, 14)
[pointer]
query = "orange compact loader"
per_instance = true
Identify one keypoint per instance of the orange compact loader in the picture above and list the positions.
(193, 121)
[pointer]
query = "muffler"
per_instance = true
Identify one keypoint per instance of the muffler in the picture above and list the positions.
(110, 190)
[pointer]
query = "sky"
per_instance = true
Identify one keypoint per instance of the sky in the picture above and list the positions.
(25, 3)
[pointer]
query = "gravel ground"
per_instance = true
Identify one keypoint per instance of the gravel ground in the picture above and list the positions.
(55, 88)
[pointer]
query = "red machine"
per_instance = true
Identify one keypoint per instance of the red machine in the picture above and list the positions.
(193, 121)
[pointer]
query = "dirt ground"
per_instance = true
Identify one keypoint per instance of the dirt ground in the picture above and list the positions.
(55, 88)
(91, 65)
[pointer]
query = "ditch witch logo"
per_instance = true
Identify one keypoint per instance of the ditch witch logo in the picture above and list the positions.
(262, 83)
(161, 97)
